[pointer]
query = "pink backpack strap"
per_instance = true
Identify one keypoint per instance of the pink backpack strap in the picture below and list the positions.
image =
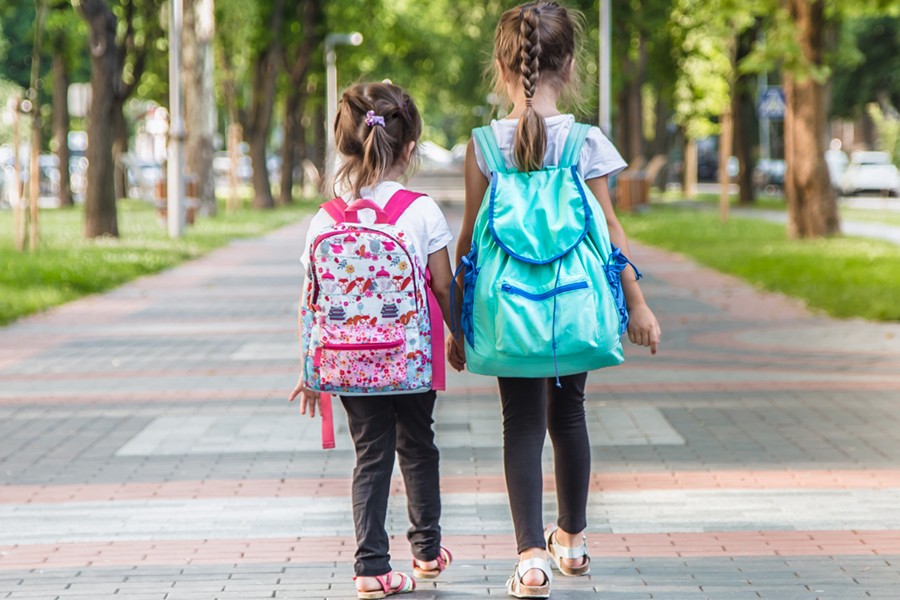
(398, 204)
(336, 209)
(327, 421)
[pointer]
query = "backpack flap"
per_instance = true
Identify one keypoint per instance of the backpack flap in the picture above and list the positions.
(538, 217)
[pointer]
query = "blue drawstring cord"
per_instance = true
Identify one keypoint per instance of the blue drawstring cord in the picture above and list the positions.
(613, 268)
(455, 318)
(553, 325)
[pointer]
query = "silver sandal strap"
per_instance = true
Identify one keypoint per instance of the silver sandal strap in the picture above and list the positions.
(534, 563)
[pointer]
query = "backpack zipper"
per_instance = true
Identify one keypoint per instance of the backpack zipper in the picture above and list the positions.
(317, 354)
(580, 285)
(364, 346)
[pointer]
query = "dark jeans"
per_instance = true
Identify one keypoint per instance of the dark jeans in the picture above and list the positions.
(531, 408)
(379, 426)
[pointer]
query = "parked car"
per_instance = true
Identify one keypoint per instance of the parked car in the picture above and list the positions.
(871, 172)
(768, 175)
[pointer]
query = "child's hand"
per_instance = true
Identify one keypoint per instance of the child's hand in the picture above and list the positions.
(308, 398)
(643, 328)
(456, 353)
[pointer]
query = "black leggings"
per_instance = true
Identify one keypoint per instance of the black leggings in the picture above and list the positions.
(532, 407)
(381, 426)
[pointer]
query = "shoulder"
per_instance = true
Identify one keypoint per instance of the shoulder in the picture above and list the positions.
(425, 207)
(599, 157)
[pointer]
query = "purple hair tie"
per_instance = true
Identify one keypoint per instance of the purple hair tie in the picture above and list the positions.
(372, 119)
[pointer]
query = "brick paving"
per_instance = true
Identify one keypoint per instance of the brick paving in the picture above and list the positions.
(147, 450)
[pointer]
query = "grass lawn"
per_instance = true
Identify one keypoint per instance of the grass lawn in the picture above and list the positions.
(67, 266)
(846, 277)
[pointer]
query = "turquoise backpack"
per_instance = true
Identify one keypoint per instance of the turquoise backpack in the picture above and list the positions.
(542, 294)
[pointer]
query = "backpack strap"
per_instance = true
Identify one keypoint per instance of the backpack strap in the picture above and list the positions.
(398, 204)
(574, 142)
(484, 136)
(336, 209)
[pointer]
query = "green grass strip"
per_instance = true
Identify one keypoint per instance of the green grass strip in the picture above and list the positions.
(844, 276)
(66, 266)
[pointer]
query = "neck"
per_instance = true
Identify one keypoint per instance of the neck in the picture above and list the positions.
(543, 102)
(395, 172)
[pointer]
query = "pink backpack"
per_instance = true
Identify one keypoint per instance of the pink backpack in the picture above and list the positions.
(370, 324)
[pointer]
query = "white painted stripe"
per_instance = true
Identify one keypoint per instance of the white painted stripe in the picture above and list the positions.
(632, 512)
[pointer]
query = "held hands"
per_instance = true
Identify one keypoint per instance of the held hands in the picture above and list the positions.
(308, 398)
(643, 328)
(456, 353)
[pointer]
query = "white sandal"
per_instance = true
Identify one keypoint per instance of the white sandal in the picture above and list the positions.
(517, 589)
(558, 552)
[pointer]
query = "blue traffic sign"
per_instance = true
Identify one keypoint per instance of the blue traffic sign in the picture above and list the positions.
(771, 103)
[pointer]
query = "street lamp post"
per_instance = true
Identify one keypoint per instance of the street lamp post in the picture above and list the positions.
(175, 158)
(604, 66)
(332, 40)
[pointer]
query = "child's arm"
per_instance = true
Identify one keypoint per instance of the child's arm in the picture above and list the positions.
(643, 328)
(476, 186)
(308, 398)
(441, 277)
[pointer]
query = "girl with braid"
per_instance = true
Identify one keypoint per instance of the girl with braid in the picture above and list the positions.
(534, 64)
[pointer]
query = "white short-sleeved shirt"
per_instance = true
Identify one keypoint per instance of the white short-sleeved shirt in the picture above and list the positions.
(598, 155)
(423, 221)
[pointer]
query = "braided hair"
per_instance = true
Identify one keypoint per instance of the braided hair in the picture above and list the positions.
(536, 41)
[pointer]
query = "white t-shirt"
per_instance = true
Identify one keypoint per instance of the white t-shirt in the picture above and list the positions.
(598, 155)
(423, 221)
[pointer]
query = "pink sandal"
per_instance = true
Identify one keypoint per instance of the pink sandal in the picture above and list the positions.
(444, 559)
(407, 584)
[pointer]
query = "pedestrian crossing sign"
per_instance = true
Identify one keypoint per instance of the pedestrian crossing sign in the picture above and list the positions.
(771, 103)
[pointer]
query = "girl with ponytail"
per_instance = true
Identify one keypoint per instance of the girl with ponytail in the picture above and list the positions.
(534, 60)
(376, 133)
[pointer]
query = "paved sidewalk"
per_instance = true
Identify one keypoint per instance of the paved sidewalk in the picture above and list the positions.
(878, 231)
(147, 450)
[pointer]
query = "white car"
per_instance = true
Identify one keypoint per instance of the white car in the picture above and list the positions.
(870, 172)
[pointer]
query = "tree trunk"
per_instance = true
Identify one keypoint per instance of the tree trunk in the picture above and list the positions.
(119, 147)
(635, 105)
(259, 120)
(199, 100)
(289, 146)
(100, 201)
(690, 168)
(61, 122)
(661, 136)
(743, 109)
(812, 205)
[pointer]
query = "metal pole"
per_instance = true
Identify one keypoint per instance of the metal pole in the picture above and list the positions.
(604, 66)
(175, 160)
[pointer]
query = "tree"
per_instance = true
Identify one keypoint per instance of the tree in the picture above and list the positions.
(66, 34)
(256, 118)
(199, 99)
(303, 38)
(705, 49)
(812, 202)
(100, 201)
(119, 51)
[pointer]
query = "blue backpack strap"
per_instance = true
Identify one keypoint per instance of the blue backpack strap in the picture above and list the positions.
(572, 150)
(484, 136)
